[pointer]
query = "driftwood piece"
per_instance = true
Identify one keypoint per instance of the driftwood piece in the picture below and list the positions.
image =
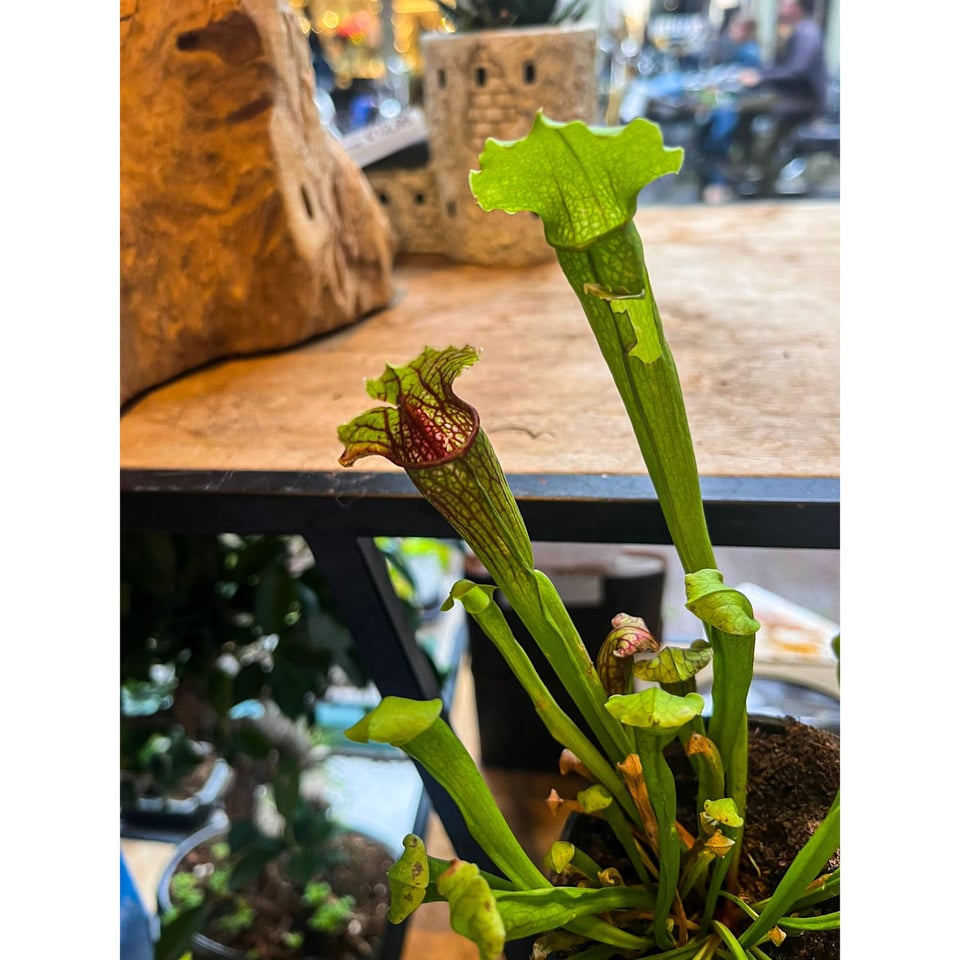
(244, 225)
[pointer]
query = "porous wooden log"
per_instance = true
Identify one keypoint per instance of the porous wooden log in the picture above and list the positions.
(244, 225)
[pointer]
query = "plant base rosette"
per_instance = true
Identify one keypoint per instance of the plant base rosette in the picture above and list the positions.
(795, 772)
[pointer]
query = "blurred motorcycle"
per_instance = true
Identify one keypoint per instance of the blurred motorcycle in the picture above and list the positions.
(685, 104)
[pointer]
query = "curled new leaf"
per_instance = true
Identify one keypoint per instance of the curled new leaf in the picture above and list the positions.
(628, 637)
(564, 857)
(674, 664)
(559, 855)
(718, 605)
(408, 879)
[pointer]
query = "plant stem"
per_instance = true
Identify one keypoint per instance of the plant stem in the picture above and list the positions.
(663, 795)
(544, 614)
(650, 391)
(479, 603)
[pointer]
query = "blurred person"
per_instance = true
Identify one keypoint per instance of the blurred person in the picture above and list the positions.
(796, 78)
(738, 43)
(737, 46)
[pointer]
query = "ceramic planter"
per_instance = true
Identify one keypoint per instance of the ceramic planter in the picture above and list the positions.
(490, 83)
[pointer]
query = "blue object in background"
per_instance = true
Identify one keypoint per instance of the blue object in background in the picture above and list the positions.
(136, 938)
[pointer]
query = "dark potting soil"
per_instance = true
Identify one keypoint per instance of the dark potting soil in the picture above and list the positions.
(794, 776)
(279, 908)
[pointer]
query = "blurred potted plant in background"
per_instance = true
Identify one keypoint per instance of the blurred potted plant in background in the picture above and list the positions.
(292, 882)
(706, 850)
(233, 642)
(167, 780)
(210, 623)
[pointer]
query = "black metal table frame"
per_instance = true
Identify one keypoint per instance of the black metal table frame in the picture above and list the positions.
(339, 514)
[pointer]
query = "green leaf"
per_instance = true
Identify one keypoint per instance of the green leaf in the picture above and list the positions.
(828, 921)
(804, 869)
(674, 664)
(408, 879)
(473, 910)
(730, 940)
(723, 811)
(176, 935)
(424, 735)
(395, 720)
(529, 912)
(580, 188)
(718, 605)
(655, 711)
(477, 600)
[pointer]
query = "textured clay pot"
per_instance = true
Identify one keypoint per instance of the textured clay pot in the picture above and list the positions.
(491, 83)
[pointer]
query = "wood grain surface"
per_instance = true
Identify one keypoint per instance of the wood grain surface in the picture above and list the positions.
(749, 296)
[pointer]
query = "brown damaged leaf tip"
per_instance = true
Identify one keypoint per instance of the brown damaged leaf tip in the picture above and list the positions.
(571, 763)
(632, 771)
(556, 803)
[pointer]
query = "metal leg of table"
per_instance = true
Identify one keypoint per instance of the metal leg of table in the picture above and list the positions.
(357, 574)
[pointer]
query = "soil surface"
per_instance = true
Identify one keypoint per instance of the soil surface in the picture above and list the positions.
(279, 906)
(794, 776)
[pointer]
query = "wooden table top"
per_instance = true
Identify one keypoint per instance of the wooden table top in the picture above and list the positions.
(749, 295)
